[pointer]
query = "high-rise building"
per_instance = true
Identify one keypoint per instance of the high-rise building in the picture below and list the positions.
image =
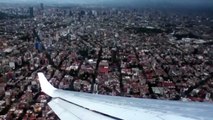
(70, 13)
(31, 12)
(42, 6)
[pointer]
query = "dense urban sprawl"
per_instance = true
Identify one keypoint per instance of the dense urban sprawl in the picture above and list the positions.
(142, 53)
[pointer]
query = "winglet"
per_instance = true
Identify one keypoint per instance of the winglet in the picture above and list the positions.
(46, 87)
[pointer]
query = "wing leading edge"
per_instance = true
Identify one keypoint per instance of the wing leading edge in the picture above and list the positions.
(83, 106)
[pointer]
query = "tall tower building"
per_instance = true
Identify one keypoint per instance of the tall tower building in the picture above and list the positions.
(42, 6)
(31, 12)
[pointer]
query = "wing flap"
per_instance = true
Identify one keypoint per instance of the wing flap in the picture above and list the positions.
(61, 111)
(69, 111)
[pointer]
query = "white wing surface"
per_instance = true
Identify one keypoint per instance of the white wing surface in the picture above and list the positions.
(84, 106)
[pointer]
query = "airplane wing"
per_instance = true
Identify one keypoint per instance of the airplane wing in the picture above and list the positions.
(70, 105)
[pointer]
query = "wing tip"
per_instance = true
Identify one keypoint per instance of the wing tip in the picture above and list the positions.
(46, 87)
